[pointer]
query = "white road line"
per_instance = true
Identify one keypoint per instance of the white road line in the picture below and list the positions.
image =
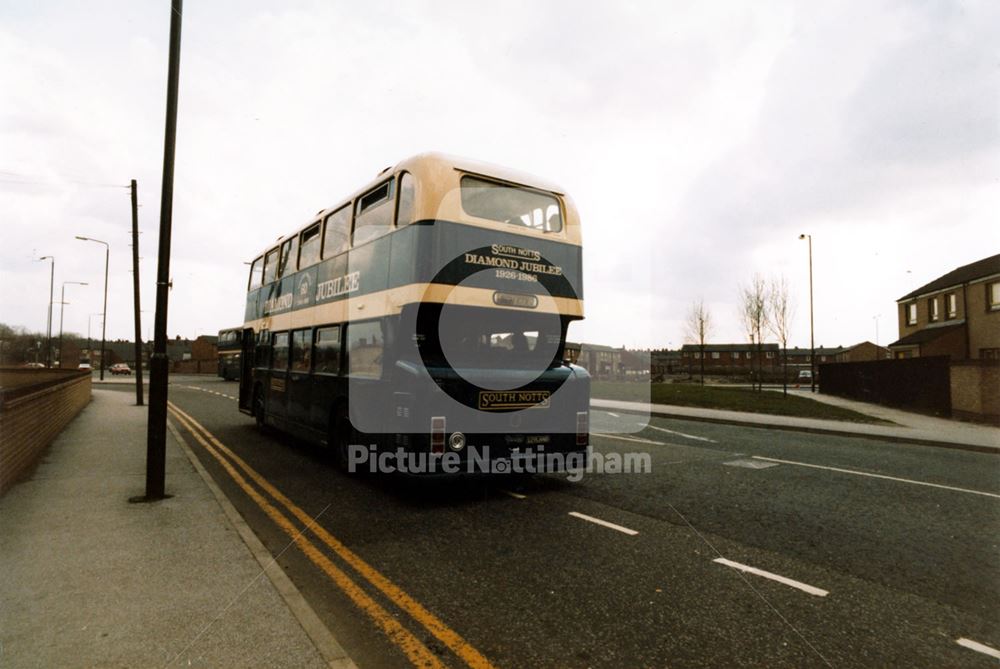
(879, 476)
(515, 495)
(681, 434)
(613, 415)
(605, 523)
(635, 439)
(804, 587)
(978, 647)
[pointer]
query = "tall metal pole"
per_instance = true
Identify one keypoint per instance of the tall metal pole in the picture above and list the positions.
(62, 310)
(812, 331)
(156, 442)
(107, 256)
(48, 325)
(135, 292)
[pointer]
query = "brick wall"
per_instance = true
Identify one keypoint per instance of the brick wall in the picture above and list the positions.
(975, 391)
(30, 422)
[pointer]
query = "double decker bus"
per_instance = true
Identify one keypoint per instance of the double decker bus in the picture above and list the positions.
(426, 313)
(229, 348)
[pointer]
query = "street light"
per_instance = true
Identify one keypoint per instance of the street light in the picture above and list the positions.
(812, 331)
(48, 324)
(62, 310)
(104, 323)
(90, 319)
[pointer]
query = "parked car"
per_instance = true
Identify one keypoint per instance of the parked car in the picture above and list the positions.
(85, 365)
(805, 375)
(120, 368)
(35, 365)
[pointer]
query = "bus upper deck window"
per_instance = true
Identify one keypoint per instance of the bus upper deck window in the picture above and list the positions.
(404, 209)
(309, 248)
(337, 234)
(374, 213)
(271, 266)
(514, 205)
(256, 273)
(289, 251)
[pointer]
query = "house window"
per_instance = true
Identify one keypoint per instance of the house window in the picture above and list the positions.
(715, 355)
(911, 313)
(770, 354)
(697, 356)
(933, 309)
(993, 295)
(951, 302)
(989, 353)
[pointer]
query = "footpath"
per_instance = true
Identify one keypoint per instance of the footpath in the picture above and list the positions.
(90, 579)
(907, 427)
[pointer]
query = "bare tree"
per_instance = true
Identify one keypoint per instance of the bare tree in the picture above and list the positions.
(754, 315)
(698, 329)
(781, 310)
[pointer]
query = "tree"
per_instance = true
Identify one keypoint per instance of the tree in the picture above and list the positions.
(754, 314)
(781, 309)
(698, 329)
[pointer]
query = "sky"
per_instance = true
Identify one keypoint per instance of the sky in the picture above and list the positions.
(698, 140)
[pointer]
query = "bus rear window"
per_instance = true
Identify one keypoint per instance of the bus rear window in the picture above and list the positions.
(511, 204)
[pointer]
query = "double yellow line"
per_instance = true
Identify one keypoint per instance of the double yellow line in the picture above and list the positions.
(412, 647)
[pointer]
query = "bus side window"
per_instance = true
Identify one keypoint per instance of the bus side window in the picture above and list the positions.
(301, 350)
(404, 210)
(279, 351)
(309, 248)
(262, 355)
(289, 250)
(256, 274)
(327, 353)
(374, 213)
(364, 349)
(271, 266)
(337, 234)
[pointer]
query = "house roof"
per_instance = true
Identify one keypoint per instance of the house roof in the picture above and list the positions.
(713, 348)
(926, 335)
(964, 274)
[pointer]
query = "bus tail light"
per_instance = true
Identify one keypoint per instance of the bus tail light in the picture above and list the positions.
(582, 428)
(437, 434)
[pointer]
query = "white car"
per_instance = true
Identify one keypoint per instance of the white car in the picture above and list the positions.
(85, 365)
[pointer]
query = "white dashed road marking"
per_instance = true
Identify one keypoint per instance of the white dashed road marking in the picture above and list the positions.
(604, 523)
(978, 647)
(878, 476)
(638, 440)
(681, 434)
(804, 587)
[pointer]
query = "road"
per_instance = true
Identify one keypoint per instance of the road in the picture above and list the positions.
(742, 547)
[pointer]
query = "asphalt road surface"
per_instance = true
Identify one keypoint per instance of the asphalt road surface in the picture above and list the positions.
(742, 547)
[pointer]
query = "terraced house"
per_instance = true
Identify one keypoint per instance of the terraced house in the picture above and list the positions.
(957, 315)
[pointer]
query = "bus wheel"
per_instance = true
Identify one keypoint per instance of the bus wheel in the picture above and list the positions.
(258, 408)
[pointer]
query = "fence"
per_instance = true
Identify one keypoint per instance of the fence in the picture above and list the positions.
(916, 384)
(35, 406)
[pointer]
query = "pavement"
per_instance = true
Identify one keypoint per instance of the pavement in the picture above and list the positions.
(907, 426)
(90, 579)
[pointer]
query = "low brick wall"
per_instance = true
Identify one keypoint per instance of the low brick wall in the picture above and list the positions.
(33, 411)
(975, 390)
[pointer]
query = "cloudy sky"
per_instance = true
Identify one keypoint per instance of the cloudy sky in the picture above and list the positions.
(698, 140)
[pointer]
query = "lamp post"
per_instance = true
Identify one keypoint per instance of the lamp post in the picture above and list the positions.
(104, 321)
(90, 319)
(62, 310)
(48, 324)
(812, 330)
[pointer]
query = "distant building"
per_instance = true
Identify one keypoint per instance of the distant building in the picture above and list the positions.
(957, 315)
(730, 357)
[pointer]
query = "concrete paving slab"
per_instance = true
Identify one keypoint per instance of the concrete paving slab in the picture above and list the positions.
(89, 579)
